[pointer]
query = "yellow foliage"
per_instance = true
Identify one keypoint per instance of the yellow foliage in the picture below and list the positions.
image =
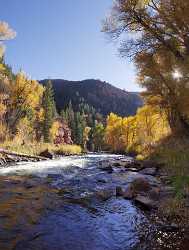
(54, 130)
(24, 131)
(86, 136)
(3, 132)
(114, 132)
(2, 67)
(2, 109)
(139, 132)
(40, 115)
(26, 92)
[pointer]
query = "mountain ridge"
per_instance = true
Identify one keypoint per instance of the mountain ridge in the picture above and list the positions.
(101, 95)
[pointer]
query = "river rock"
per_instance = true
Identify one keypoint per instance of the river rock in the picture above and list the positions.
(149, 171)
(150, 164)
(105, 194)
(47, 154)
(126, 192)
(2, 162)
(145, 201)
(107, 167)
(141, 184)
(102, 180)
(154, 193)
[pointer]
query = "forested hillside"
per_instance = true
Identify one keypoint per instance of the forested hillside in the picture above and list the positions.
(104, 97)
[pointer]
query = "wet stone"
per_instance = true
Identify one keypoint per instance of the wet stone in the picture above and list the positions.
(149, 171)
(126, 192)
(145, 202)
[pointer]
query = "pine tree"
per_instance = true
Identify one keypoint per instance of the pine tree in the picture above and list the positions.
(79, 129)
(49, 110)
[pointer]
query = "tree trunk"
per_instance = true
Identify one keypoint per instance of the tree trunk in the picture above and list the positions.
(178, 123)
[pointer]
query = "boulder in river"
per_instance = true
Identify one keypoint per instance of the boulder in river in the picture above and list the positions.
(145, 201)
(141, 184)
(47, 154)
(105, 194)
(126, 192)
(107, 167)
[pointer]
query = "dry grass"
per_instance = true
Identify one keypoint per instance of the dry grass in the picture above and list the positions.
(37, 148)
(174, 210)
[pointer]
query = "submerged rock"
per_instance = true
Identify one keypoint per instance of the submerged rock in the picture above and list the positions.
(108, 168)
(149, 171)
(126, 192)
(105, 194)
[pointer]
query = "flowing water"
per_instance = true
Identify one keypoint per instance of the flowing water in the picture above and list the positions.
(68, 204)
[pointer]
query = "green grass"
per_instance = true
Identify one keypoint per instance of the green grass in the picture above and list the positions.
(173, 152)
(181, 185)
(176, 162)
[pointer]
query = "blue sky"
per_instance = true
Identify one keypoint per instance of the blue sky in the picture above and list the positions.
(63, 39)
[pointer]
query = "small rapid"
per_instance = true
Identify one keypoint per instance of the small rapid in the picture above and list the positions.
(68, 204)
(58, 166)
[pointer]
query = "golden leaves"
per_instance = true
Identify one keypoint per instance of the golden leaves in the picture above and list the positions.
(137, 132)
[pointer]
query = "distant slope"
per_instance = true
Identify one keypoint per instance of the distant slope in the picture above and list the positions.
(104, 97)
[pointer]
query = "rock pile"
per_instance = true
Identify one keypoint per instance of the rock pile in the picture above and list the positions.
(141, 185)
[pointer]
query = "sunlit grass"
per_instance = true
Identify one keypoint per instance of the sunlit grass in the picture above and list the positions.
(37, 148)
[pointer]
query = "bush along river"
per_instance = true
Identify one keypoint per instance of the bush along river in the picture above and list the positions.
(95, 201)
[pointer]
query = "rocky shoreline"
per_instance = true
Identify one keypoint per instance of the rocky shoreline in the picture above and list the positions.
(150, 190)
(9, 157)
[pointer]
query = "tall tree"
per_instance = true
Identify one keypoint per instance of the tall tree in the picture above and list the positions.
(80, 125)
(49, 110)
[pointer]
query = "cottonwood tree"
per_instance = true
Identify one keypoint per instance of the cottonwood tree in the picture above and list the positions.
(155, 34)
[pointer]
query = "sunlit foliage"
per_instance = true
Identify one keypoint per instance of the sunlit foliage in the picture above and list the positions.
(136, 133)
(155, 34)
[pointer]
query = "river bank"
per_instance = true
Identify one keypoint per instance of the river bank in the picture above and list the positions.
(160, 204)
(41, 153)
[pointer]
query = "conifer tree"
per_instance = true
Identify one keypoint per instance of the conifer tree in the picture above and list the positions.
(49, 110)
(78, 129)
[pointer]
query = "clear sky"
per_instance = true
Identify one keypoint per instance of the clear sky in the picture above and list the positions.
(63, 39)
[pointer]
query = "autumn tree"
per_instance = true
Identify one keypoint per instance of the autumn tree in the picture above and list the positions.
(151, 126)
(137, 133)
(86, 132)
(6, 33)
(24, 98)
(98, 134)
(114, 133)
(154, 33)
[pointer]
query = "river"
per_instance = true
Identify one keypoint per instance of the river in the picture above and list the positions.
(68, 204)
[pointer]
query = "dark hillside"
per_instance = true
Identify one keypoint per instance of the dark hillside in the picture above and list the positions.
(104, 97)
